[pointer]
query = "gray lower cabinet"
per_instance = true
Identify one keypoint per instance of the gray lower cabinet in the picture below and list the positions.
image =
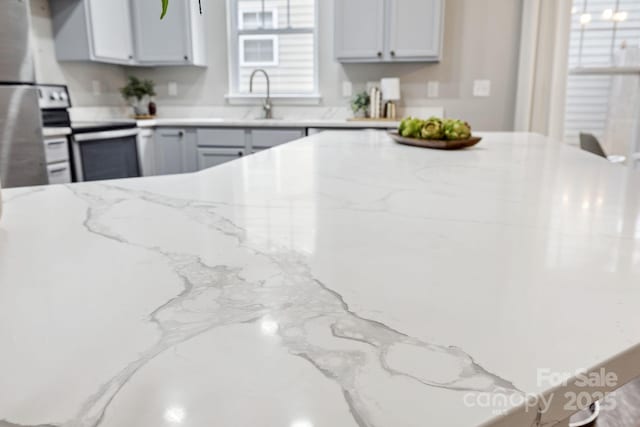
(261, 139)
(181, 150)
(175, 151)
(209, 157)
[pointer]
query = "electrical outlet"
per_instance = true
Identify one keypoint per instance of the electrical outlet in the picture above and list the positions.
(433, 89)
(347, 89)
(482, 88)
(172, 89)
(96, 87)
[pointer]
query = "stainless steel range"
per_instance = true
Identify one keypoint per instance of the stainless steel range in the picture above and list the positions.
(99, 150)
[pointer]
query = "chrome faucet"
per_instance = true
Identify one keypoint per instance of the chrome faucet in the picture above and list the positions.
(267, 107)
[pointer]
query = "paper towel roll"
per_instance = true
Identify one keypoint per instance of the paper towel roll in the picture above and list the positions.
(390, 89)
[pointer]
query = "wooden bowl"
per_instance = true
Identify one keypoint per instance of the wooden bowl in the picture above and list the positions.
(438, 144)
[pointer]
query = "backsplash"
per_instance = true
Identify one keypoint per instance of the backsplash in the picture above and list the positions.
(239, 113)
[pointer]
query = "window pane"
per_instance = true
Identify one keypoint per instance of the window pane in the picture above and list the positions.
(259, 51)
(604, 33)
(295, 71)
(299, 14)
(601, 29)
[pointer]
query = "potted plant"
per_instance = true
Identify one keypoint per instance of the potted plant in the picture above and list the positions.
(138, 93)
(360, 104)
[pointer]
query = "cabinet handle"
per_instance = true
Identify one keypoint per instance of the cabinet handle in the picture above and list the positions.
(179, 134)
(379, 54)
(56, 142)
(240, 154)
(130, 56)
(59, 170)
(393, 53)
(186, 58)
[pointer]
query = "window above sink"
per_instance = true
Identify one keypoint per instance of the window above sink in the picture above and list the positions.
(279, 36)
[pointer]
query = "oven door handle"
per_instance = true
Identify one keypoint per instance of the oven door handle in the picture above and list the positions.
(108, 134)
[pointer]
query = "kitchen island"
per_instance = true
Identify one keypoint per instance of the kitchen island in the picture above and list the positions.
(339, 280)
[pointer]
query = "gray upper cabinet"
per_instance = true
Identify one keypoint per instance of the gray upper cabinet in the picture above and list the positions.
(185, 44)
(415, 29)
(93, 30)
(389, 30)
(359, 34)
(128, 32)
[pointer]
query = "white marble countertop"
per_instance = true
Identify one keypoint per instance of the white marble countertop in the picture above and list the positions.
(49, 132)
(321, 283)
(274, 123)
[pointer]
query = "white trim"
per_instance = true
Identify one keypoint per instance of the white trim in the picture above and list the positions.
(607, 71)
(278, 99)
(527, 65)
(275, 40)
(560, 70)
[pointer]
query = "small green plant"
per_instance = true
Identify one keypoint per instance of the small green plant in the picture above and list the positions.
(138, 89)
(360, 103)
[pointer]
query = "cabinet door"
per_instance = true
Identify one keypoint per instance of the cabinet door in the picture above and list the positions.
(359, 32)
(110, 28)
(161, 41)
(169, 151)
(210, 157)
(415, 30)
(267, 138)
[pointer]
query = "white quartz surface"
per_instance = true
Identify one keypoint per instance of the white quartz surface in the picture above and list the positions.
(340, 280)
(273, 123)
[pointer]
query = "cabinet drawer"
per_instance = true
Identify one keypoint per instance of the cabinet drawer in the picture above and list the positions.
(267, 138)
(56, 150)
(222, 138)
(210, 157)
(59, 173)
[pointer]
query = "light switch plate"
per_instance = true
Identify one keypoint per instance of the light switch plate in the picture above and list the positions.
(347, 89)
(433, 89)
(482, 88)
(173, 89)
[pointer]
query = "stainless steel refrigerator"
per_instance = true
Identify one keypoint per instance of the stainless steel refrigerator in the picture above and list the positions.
(22, 155)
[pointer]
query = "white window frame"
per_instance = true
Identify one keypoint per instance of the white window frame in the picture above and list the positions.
(276, 50)
(234, 31)
(274, 17)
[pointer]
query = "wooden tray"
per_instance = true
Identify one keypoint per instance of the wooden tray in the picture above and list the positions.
(144, 117)
(369, 119)
(435, 143)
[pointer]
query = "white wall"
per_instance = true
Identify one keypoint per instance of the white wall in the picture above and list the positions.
(481, 42)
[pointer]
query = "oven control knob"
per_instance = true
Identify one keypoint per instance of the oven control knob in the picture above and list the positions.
(55, 96)
(63, 96)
